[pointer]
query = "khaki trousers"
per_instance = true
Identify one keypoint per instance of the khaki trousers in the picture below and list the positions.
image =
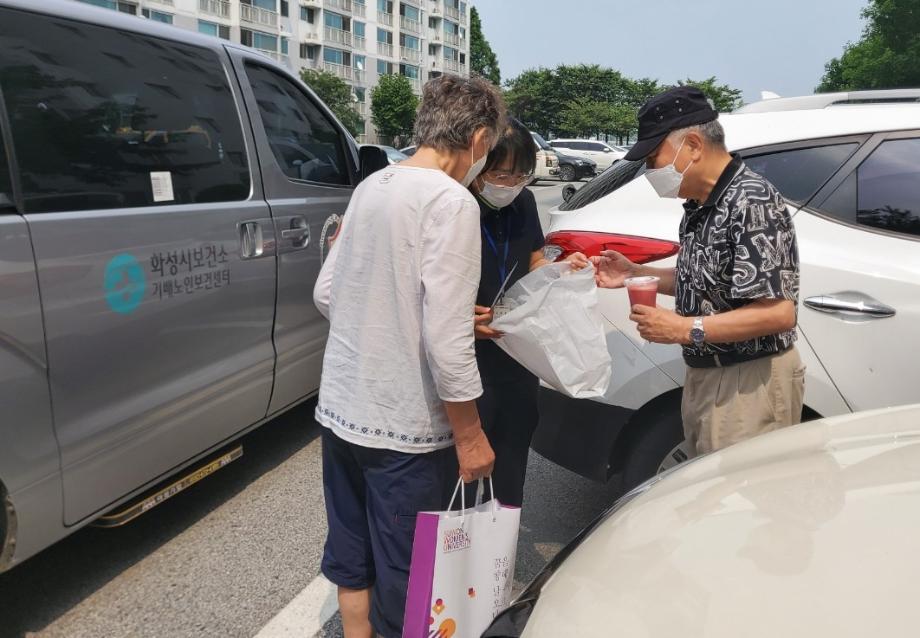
(722, 406)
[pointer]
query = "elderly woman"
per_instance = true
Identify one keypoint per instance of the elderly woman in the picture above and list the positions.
(398, 394)
(512, 246)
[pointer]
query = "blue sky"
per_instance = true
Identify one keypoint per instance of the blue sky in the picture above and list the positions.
(777, 45)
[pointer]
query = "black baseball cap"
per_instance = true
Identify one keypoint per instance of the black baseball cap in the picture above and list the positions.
(674, 109)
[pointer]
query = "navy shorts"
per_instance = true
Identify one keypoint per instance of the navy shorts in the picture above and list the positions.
(372, 498)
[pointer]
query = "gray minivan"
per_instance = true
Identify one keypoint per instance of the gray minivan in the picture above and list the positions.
(163, 196)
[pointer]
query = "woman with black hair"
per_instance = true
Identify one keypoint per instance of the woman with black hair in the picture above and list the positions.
(512, 246)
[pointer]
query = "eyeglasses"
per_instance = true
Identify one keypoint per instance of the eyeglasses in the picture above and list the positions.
(507, 179)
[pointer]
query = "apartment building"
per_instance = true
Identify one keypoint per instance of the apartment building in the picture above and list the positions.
(357, 40)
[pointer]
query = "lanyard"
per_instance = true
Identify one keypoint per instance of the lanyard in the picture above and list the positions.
(502, 261)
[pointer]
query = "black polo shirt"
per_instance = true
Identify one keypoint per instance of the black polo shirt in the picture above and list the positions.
(737, 247)
(514, 230)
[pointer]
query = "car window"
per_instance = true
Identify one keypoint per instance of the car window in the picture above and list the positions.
(799, 173)
(884, 191)
(106, 119)
(306, 144)
(394, 155)
(620, 173)
(592, 146)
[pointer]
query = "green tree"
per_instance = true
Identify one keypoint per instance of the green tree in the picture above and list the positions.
(586, 117)
(641, 91)
(528, 99)
(887, 56)
(541, 98)
(482, 58)
(724, 97)
(588, 99)
(338, 97)
(625, 122)
(393, 107)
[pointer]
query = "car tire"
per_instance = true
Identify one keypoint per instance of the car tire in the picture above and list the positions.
(658, 445)
(567, 173)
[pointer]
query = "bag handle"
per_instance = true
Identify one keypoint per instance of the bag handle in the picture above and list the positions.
(480, 493)
(453, 498)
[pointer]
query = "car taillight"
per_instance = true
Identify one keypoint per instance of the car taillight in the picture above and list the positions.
(639, 250)
(549, 161)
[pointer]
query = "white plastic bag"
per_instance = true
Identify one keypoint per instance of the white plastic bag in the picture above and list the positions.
(554, 329)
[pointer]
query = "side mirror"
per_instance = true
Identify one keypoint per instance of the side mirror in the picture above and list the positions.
(607, 150)
(370, 160)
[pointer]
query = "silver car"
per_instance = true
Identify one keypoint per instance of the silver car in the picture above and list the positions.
(165, 199)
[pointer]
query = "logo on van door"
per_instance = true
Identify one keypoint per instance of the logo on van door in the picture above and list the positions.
(124, 284)
(330, 232)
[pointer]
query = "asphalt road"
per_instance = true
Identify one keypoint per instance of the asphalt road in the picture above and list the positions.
(225, 556)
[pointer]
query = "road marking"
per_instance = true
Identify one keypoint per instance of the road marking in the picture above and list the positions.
(306, 614)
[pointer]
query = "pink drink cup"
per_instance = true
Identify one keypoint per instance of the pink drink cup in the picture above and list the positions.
(643, 291)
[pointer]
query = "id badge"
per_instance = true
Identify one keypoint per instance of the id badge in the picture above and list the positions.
(499, 310)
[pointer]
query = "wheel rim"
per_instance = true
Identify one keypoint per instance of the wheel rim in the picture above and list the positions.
(678, 454)
(568, 173)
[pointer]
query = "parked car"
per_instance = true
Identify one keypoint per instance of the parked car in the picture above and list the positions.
(572, 169)
(851, 175)
(164, 197)
(600, 153)
(806, 531)
(547, 161)
(409, 151)
(393, 156)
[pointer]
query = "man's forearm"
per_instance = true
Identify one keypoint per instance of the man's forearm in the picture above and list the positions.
(758, 319)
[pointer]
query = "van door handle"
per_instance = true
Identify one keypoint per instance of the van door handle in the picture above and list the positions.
(850, 304)
(298, 234)
(252, 245)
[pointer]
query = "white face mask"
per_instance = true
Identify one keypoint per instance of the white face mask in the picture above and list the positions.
(667, 180)
(499, 196)
(475, 169)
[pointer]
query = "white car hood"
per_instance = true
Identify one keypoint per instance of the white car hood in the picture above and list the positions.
(810, 531)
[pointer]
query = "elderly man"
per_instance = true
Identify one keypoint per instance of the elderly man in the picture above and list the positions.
(736, 282)
(399, 386)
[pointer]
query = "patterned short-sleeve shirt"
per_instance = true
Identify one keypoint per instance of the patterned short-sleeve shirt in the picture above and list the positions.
(737, 247)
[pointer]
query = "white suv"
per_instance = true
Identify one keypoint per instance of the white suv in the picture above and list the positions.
(601, 153)
(851, 174)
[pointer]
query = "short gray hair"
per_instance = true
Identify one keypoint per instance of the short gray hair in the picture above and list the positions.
(453, 108)
(711, 132)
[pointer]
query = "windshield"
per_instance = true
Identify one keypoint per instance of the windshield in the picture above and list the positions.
(619, 173)
(541, 142)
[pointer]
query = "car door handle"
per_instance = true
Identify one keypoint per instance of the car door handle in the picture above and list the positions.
(298, 233)
(295, 233)
(849, 304)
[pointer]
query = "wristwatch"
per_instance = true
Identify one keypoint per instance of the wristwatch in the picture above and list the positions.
(697, 333)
